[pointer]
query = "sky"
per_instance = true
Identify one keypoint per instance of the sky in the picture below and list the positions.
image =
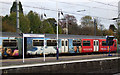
(95, 8)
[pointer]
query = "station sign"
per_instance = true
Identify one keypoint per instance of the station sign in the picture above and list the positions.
(33, 35)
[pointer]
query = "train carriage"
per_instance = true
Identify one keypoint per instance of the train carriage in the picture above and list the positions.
(12, 44)
(104, 48)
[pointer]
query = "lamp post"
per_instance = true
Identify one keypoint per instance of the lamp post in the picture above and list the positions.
(57, 17)
(95, 27)
(17, 16)
(101, 29)
(65, 20)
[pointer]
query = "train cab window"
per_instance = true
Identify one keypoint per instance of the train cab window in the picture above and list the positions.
(10, 43)
(104, 43)
(76, 43)
(51, 43)
(38, 42)
(86, 43)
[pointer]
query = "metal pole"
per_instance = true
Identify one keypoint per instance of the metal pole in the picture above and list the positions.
(44, 47)
(94, 27)
(109, 52)
(17, 15)
(66, 26)
(101, 29)
(23, 48)
(57, 31)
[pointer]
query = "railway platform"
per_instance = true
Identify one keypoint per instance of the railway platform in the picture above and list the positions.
(99, 63)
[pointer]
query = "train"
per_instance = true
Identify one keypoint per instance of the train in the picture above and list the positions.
(16, 44)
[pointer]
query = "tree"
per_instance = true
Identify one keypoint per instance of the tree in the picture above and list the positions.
(13, 8)
(47, 27)
(9, 23)
(112, 27)
(87, 21)
(118, 33)
(51, 22)
(71, 22)
(107, 32)
(86, 30)
(35, 22)
(7, 28)
(24, 24)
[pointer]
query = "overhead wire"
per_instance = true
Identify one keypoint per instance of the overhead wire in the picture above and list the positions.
(94, 7)
(56, 10)
(103, 3)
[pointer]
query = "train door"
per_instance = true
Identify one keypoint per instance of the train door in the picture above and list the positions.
(64, 46)
(96, 45)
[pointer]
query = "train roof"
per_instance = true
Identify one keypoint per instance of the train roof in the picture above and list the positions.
(74, 36)
(53, 36)
(10, 34)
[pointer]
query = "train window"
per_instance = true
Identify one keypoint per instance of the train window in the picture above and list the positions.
(66, 43)
(104, 43)
(62, 43)
(38, 42)
(97, 43)
(94, 43)
(9, 43)
(51, 43)
(86, 43)
(76, 43)
(115, 44)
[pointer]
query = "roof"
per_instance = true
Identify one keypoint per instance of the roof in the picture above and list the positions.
(73, 36)
(10, 34)
(13, 34)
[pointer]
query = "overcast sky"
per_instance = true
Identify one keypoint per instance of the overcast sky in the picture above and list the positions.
(94, 9)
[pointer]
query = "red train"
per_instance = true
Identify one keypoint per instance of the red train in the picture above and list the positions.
(98, 45)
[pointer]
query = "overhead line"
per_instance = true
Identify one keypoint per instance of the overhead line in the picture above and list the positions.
(103, 3)
(56, 10)
(84, 5)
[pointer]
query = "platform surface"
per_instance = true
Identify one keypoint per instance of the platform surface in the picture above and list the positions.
(14, 62)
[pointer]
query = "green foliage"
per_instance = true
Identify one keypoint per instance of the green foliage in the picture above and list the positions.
(35, 23)
(32, 23)
(73, 29)
(87, 21)
(118, 33)
(9, 23)
(13, 8)
(7, 28)
(51, 22)
(59, 29)
(24, 24)
(107, 32)
(112, 27)
(47, 27)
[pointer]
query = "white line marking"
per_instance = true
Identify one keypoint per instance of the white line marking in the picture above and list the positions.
(55, 63)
